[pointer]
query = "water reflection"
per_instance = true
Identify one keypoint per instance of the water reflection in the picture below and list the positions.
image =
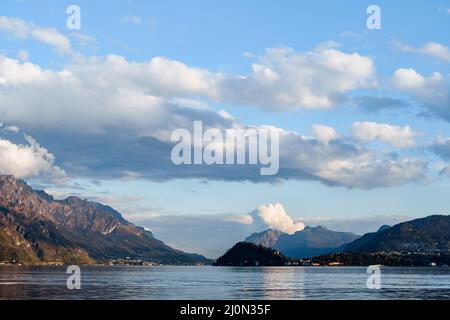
(199, 283)
(284, 283)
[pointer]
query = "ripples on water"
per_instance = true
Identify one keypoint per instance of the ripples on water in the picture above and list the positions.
(200, 283)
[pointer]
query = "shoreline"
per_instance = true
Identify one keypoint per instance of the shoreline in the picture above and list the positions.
(243, 267)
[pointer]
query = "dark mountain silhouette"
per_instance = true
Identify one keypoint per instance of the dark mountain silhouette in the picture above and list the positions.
(428, 234)
(419, 242)
(250, 254)
(36, 228)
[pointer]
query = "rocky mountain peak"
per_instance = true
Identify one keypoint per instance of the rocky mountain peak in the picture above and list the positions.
(36, 227)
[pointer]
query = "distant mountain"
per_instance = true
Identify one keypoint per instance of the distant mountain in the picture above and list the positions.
(267, 238)
(250, 254)
(36, 228)
(306, 243)
(430, 234)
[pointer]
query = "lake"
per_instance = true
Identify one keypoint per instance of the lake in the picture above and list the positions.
(206, 283)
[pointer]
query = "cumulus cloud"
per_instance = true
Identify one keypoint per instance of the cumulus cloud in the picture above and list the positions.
(366, 173)
(324, 134)
(129, 108)
(275, 217)
(400, 137)
(98, 94)
(433, 92)
(29, 160)
(342, 162)
(285, 80)
(430, 49)
(24, 30)
(408, 79)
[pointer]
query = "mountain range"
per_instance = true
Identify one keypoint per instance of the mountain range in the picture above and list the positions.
(430, 234)
(419, 242)
(36, 228)
(309, 242)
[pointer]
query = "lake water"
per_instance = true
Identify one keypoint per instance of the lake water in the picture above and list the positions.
(200, 283)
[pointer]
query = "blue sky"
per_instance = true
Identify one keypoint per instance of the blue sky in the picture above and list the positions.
(86, 97)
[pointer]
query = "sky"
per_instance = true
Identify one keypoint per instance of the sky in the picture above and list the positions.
(363, 114)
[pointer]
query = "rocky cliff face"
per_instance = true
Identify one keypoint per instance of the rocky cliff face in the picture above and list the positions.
(268, 238)
(35, 228)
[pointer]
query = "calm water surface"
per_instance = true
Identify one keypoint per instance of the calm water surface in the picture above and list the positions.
(199, 283)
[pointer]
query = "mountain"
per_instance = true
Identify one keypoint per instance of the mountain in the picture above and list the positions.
(36, 228)
(306, 243)
(250, 254)
(430, 234)
(419, 242)
(267, 238)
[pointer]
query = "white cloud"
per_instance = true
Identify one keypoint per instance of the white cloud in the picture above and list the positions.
(281, 80)
(14, 129)
(432, 91)
(364, 172)
(285, 80)
(275, 217)
(244, 219)
(408, 79)
(399, 137)
(24, 30)
(95, 96)
(431, 49)
(28, 161)
(345, 163)
(324, 134)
